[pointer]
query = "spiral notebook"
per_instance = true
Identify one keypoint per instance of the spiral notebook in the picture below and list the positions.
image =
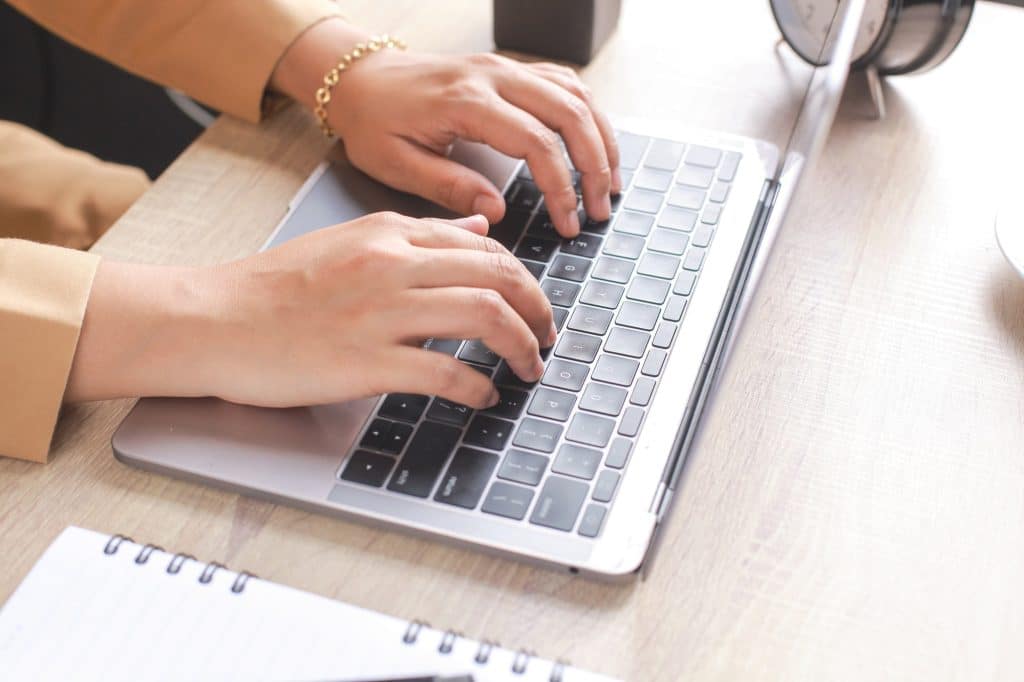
(97, 607)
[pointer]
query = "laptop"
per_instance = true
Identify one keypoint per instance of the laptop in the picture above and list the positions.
(576, 471)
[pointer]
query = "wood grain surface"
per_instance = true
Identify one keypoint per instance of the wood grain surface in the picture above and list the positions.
(854, 509)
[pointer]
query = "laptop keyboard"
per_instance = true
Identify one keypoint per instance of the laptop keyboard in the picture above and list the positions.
(552, 453)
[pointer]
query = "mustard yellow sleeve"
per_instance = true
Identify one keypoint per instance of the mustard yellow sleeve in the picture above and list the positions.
(43, 294)
(222, 52)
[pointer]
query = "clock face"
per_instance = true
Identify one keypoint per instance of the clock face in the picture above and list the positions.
(805, 25)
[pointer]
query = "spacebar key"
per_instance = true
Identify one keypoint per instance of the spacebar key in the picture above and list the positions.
(424, 458)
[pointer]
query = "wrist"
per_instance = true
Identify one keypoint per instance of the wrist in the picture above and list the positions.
(303, 65)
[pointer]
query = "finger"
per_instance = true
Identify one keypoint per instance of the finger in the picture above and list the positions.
(476, 224)
(500, 271)
(420, 171)
(517, 133)
(424, 372)
(568, 79)
(463, 233)
(469, 313)
(570, 116)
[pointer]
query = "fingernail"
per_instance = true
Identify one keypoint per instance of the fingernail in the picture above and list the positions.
(552, 336)
(538, 369)
(494, 399)
(487, 205)
(472, 222)
(616, 181)
(573, 222)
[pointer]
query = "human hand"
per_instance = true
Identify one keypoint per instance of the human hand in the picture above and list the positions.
(398, 112)
(334, 315)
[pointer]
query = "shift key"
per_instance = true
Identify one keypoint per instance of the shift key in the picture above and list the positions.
(467, 476)
(424, 457)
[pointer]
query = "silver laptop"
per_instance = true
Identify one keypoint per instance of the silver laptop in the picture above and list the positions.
(577, 470)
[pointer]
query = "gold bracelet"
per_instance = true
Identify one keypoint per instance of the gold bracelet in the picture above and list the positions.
(323, 93)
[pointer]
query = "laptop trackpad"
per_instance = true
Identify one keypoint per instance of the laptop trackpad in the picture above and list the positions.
(344, 193)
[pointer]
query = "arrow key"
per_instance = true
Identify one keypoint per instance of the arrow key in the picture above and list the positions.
(368, 468)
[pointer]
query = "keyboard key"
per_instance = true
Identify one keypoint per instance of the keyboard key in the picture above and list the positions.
(654, 363)
(668, 241)
(552, 404)
(686, 197)
(702, 237)
(559, 314)
(489, 432)
(631, 149)
(476, 351)
(505, 499)
(638, 315)
(675, 308)
(603, 399)
(648, 290)
(658, 265)
(638, 224)
(506, 377)
(613, 369)
(652, 179)
(427, 452)
(508, 231)
(535, 269)
(584, 245)
(694, 259)
(570, 267)
(598, 226)
(719, 192)
(559, 292)
(618, 453)
(368, 468)
(642, 200)
(684, 283)
(590, 320)
(523, 195)
(576, 346)
(523, 467)
(605, 487)
(678, 218)
(486, 371)
(376, 435)
(642, 392)
(664, 154)
(566, 375)
(695, 176)
(559, 503)
(613, 269)
(624, 246)
(711, 214)
(627, 177)
(631, 420)
(446, 346)
(590, 429)
(510, 404)
(541, 226)
(535, 248)
(703, 156)
(627, 342)
(448, 412)
(404, 406)
(730, 163)
(665, 335)
(535, 434)
(602, 294)
(593, 518)
(397, 438)
(580, 462)
(467, 476)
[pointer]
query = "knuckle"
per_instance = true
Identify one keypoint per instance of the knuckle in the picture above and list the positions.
(508, 269)
(490, 305)
(447, 375)
(492, 246)
(545, 140)
(577, 109)
(484, 59)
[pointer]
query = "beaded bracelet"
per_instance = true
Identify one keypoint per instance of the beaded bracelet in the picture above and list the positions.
(323, 93)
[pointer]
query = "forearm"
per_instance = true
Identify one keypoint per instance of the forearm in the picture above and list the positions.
(146, 331)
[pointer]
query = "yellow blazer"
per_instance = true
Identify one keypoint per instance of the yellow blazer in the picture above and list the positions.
(221, 52)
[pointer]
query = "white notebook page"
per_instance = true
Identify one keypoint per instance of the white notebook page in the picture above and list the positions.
(85, 615)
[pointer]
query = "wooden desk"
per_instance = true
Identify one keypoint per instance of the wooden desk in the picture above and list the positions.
(854, 508)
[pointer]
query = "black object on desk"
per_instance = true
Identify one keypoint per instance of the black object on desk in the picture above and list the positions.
(566, 30)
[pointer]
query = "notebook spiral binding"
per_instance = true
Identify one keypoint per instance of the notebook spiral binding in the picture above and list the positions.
(483, 652)
(177, 561)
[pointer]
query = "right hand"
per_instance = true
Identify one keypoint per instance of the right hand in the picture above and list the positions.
(335, 315)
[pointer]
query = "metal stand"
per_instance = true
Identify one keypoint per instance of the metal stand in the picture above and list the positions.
(875, 90)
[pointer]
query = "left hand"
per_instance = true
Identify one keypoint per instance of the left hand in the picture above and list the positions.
(398, 112)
